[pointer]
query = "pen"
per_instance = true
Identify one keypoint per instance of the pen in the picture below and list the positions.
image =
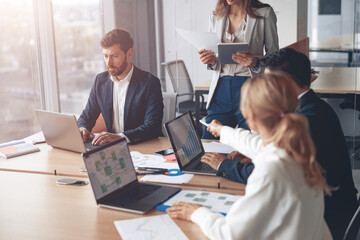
(203, 123)
(152, 169)
(150, 173)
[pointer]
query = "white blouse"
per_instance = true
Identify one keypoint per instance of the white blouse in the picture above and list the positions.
(278, 204)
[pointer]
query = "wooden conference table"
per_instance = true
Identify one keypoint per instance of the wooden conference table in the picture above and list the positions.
(53, 161)
(33, 206)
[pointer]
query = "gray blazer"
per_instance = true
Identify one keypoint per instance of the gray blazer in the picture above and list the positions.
(259, 33)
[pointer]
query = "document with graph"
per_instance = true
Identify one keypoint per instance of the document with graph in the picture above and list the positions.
(148, 228)
(216, 202)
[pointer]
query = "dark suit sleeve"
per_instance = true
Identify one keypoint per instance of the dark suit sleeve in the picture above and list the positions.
(234, 170)
(91, 112)
(151, 128)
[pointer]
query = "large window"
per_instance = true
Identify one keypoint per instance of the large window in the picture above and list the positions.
(77, 27)
(334, 52)
(19, 93)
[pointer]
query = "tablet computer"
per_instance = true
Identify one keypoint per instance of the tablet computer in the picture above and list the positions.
(226, 50)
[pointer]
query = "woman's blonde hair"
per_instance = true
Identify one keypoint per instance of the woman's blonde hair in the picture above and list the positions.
(249, 6)
(273, 100)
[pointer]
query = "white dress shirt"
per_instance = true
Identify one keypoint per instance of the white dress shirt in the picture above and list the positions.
(278, 204)
(237, 37)
(119, 97)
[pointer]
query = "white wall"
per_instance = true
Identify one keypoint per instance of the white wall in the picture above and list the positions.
(194, 15)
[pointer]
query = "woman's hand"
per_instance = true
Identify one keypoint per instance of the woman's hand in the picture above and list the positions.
(207, 57)
(182, 210)
(245, 59)
(214, 128)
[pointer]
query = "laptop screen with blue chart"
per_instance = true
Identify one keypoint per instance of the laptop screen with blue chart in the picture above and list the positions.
(187, 145)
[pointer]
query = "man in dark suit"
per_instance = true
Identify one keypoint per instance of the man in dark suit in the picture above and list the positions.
(326, 132)
(129, 99)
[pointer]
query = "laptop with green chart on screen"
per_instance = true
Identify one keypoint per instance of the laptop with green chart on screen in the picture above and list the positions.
(187, 145)
(114, 182)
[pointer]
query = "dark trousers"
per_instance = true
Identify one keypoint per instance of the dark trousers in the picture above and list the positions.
(225, 104)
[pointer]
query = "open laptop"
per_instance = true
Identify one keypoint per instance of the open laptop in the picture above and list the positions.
(114, 182)
(61, 131)
(187, 145)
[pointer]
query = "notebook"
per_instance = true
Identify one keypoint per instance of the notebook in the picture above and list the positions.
(187, 145)
(114, 182)
(61, 131)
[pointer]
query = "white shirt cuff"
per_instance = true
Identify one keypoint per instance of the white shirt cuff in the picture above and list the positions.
(224, 133)
(124, 136)
(200, 215)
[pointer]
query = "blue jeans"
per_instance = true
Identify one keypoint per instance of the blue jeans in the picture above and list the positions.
(225, 104)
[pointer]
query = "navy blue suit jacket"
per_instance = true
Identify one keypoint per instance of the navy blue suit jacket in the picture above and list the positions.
(143, 106)
(333, 156)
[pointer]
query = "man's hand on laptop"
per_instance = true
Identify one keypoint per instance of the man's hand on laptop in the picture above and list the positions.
(213, 159)
(86, 135)
(215, 128)
(105, 137)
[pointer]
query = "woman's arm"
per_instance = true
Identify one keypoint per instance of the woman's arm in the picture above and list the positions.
(244, 141)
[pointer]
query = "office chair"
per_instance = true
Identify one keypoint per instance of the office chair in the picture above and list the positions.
(169, 100)
(182, 85)
(352, 103)
(352, 231)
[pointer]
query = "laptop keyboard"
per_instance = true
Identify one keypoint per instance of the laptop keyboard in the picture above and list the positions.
(89, 146)
(135, 194)
(204, 168)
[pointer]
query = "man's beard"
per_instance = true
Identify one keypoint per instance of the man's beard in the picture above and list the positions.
(121, 69)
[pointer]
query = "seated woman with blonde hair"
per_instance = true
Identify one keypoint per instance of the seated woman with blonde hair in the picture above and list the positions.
(284, 194)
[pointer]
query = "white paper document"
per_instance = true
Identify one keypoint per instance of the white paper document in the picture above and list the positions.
(181, 179)
(160, 227)
(206, 40)
(150, 160)
(216, 202)
(218, 147)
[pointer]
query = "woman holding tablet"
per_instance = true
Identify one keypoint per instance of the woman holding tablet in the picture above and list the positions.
(284, 194)
(237, 21)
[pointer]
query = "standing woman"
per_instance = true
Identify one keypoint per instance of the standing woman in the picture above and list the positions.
(284, 194)
(242, 21)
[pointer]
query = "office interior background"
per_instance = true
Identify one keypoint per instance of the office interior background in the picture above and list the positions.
(50, 52)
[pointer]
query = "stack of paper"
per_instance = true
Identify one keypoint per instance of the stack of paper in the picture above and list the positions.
(155, 161)
(16, 148)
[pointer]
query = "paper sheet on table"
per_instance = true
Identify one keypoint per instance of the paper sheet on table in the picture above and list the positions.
(206, 40)
(216, 202)
(146, 228)
(150, 160)
(218, 147)
(181, 179)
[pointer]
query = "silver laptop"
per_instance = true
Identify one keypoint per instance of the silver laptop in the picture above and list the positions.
(61, 131)
(114, 182)
(187, 145)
